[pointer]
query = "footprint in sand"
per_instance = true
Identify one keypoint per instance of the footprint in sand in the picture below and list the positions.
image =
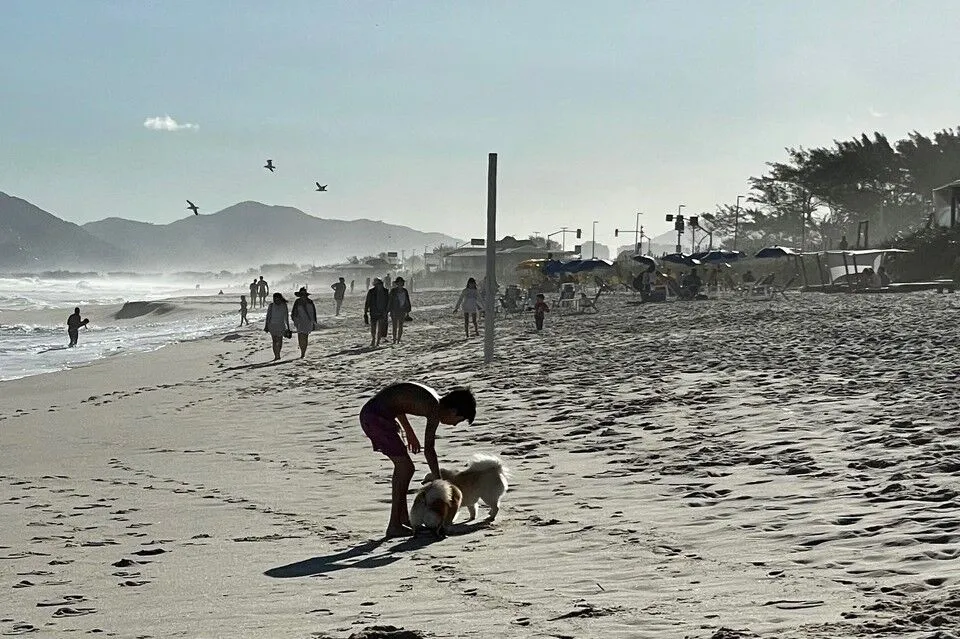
(66, 600)
(73, 612)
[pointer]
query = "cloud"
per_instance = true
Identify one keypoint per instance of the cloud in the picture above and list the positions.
(166, 123)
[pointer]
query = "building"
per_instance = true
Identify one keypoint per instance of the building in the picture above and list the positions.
(946, 203)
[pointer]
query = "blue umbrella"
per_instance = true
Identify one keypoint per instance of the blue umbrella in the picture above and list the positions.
(645, 261)
(553, 267)
(775, 252)
(681, 259)
(722, 256)
(586, 266)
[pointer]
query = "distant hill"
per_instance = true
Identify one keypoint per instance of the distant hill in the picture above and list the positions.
(252, 233)
(32, 239)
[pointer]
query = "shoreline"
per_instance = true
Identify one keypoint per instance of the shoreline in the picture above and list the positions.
(668, 480)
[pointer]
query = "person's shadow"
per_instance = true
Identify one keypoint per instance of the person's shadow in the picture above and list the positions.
(366, 554)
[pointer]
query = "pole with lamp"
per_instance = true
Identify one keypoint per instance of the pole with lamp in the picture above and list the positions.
(563, 233)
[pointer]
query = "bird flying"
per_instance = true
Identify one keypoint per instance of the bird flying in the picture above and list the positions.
(321, 188)
(193, 207)
(269, 166)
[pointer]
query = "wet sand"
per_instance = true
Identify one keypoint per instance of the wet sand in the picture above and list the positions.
(732, 468)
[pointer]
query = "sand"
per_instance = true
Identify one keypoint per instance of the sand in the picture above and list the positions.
(732, 468)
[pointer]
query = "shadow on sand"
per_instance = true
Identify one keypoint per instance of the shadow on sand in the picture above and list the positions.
(244, 367)
(369, 554)
(359, 350)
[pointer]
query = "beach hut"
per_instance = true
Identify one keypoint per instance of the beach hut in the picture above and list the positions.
(946, 203)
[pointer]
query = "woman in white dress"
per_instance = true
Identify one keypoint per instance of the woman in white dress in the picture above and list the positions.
(304, 316)
(470, 301)
(278, 323)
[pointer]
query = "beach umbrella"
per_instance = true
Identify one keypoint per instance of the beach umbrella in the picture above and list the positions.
(535, 264)
(681, 259)
(588, 266)
(645, 260)
(722, 256)
(553, 267)
(773, 252)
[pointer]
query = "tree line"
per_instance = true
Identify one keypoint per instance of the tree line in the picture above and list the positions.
(818, 196)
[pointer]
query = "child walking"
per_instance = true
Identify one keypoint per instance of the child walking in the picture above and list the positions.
(243, 310)
(539, 309)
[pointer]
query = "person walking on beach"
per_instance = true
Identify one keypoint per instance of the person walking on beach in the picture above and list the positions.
(470, 301)
(243, 310)
(253, 292)
(540, 309)
(351, 286)
(399, 307)
(277, 323)
(375, 311)
(382, 418)
(304, 315)
(339, 290)
(263, 289)
(73, 326)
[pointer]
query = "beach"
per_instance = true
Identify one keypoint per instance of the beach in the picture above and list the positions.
(731, 468)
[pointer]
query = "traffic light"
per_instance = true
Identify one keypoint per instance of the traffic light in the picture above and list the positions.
(695, 222)
(578, 234)
(616, 232)
(678, 223)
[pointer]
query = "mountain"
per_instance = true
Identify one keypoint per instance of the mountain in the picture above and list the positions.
(32, 239)
(252, 233)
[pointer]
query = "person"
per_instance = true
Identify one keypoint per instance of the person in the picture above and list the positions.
(73, 326)
(375, 311)
(691, 284)
(351, 286)
(243, 310)
(883, 277)
(398, 306)
(540, 309)
(263, 288)
(843, 243)
(304, 316)
(253, 292)
(277, 323)
(748, 277)
(386, 413)
(339, 289)
(470, 301)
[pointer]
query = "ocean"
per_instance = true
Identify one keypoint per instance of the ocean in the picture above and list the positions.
(34, 311)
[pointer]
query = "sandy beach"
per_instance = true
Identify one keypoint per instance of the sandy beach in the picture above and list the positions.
(722, 469)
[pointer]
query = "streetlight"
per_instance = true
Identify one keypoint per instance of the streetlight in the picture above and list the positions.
(736, 222)
(564, 231)
(637, 233)
(593, 242)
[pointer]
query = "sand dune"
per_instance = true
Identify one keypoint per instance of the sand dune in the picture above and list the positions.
(725, 469)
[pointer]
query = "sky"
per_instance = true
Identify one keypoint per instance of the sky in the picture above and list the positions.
(597, 110)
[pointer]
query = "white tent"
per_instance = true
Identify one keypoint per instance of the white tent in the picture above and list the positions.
(842, 263)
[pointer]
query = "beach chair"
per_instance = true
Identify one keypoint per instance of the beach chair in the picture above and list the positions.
(511, 306)
(589, 304)
(761, 286)
(567, 299)
(774, 289)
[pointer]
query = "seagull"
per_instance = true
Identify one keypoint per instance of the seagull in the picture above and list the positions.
(193, 207)
(269, 166)
(321, 188)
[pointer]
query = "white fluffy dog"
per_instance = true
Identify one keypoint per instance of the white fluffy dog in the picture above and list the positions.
(435, 506)
(484, 479)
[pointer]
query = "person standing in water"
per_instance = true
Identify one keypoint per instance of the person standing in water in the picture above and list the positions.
(263, 288)
(243, 310)
(73, 326)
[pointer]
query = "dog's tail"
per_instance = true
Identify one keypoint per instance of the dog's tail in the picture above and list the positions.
(482, 462)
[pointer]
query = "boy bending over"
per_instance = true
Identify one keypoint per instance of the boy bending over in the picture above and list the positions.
(386, 413)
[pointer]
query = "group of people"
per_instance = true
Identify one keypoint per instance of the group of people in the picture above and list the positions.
(382, 304)
(258, 290)
(277, 323)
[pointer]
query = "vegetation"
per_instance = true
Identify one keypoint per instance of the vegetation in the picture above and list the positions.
(817, 196)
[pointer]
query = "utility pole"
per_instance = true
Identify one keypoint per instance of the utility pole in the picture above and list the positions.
(491, 257)
(593, 242)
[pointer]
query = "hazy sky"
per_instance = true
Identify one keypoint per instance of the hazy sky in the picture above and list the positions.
(598, 109)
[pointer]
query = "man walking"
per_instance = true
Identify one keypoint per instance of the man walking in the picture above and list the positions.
(73, 326)
(375, 311)
(339, 290)
(263, 288)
